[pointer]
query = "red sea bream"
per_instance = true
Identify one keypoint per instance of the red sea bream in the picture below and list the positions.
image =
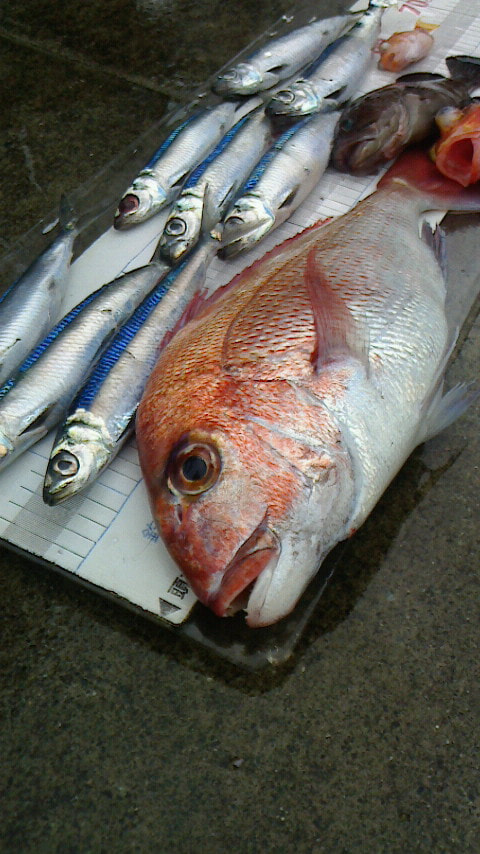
(277, 416)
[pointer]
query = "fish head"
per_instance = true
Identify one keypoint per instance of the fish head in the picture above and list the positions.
(370, 133)
(241, 79)
(181, 231)
(247, 222)
(79, 453)
(248, 508)
(299, 99)
(142, 200)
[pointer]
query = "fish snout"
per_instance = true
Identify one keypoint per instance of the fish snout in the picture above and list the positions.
(142, 200)
(243, 79)
(260, 550)
(247, 221)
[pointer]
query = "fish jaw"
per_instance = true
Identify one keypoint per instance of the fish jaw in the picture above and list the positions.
(242, 79)
(246, 223)
(257, 555)
(142, 200)
(457, 154)
(299, 99)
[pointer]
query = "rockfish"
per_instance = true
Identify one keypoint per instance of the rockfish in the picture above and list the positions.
(276, 417)
(377, 126)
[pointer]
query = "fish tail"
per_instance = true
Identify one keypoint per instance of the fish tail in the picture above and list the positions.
(67, 217)
(465, 68)
(414, 169)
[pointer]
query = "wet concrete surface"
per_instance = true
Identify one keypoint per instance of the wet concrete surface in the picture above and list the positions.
(116, 736)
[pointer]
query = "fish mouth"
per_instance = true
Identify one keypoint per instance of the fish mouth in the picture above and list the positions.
(126, 207)
(260, 550)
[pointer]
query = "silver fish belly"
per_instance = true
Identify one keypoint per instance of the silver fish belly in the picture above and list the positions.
(31, 306)
(282, 57)
(36, 399)
(160, 181)
(336, 75)
(212, 187)
(281, 182)
(101, 418)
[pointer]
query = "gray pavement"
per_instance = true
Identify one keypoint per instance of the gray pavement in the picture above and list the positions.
(117, 736)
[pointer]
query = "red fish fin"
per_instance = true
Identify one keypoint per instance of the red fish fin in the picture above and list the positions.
(415, 169)
(338, 332)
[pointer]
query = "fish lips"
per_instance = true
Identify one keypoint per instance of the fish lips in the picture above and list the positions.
(261, 550)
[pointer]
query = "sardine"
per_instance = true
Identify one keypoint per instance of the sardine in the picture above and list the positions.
(376, 127)
(275, 419)
(282, 180)
(161, 180)
(36, 399)
(213, 185)
(457, 152)
(32, 304)
(281, 58)
(335, 76)
(101, 417)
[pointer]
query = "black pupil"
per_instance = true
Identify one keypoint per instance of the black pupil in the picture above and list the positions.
(194, 468)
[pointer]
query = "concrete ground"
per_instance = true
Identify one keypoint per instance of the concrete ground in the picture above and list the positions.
(118, 737)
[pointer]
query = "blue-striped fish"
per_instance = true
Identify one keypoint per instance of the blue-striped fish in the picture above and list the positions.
(282, 57)
(36, 399)
(213, 185)
(32, 304)
(281, 181)
(161, 180)
(101, 417)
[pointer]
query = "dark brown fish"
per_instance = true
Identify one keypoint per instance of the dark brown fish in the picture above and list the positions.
(376, 127)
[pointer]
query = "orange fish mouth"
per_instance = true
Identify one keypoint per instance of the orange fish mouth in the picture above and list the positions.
(257, 552)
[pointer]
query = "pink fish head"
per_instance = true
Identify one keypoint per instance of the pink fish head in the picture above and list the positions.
(248, 478)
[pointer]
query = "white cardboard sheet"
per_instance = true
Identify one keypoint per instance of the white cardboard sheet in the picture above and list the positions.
(106, 536)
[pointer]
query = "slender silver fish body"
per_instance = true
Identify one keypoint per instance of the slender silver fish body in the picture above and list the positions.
(281, 58)
(331, 81)
(101, 417)
(280, 183)
(212, 187)
(32, 304)
(161, 180)
(36, 399)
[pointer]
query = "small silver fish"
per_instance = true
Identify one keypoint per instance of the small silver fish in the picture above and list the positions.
(161, 180)
(282, 57)
(335, 76)
(101, 418)
(36, 399)
(280, 183)
(212, 187)
(32, 304)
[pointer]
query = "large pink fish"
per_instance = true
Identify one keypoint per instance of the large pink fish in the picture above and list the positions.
(275, 419)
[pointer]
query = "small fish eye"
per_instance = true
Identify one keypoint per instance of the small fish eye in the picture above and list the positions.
(286, 96)
(347, 124)
(65, 464)
(175, 227)
(193, 468)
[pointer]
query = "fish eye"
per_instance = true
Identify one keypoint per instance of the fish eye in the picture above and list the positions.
(193, 467)
(286, 96)
(65, 464)
(175, 227)
(347, 124)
